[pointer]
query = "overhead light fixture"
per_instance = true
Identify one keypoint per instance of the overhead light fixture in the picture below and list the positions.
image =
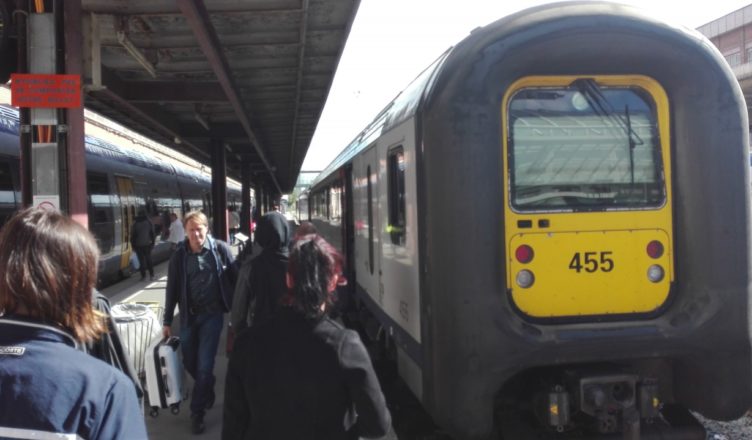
(136, 53)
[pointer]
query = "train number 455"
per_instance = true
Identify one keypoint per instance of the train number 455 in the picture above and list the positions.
(592, 262)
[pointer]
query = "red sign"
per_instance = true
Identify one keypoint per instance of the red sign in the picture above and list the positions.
(40, 90)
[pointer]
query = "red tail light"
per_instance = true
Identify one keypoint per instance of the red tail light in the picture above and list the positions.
(655, 249)
(524, 254)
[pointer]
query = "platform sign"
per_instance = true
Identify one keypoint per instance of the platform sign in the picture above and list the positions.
(45, 91)
(47, 202)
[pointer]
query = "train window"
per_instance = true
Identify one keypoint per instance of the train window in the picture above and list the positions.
(396, 201)
(584, 147)
(369, 190)
(7, 195)
(335, 202)
(100, 211)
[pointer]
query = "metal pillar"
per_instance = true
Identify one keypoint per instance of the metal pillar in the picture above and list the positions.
(74, 118)
(219, 189)
(245, 198)
(53, 165)
(22, 6)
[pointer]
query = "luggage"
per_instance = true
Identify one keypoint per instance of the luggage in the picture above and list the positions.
(139, 326)
(164, 376)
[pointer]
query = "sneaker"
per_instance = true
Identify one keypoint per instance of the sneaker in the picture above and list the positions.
(197, 423)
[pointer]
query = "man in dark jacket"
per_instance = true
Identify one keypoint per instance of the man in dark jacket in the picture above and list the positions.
(142, 240)
(200, 278)
(261, 281)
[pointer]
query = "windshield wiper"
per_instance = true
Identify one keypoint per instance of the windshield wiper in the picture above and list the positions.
(602, 107)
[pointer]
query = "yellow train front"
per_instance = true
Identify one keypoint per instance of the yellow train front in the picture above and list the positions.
(583, 217)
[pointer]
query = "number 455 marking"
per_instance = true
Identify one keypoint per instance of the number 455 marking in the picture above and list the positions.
(592, 262)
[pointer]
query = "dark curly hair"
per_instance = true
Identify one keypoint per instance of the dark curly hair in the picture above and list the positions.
(313, 264)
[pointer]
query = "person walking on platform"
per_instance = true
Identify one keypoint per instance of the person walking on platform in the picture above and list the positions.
(50, 387)
(301, 375)
(142, 240)
(261, 280)
(279, 219)
(234, 220)
(177, 233)
(200, 278)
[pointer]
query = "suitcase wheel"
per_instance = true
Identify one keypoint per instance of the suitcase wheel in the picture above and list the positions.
(154, 412)
(175, 409)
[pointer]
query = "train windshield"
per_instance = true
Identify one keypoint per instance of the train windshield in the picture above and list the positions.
(584, 147)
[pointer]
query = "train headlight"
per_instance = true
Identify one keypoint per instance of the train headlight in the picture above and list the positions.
(525, 278)
(655, 273)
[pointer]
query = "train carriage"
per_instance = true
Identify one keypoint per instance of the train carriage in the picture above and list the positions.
(551, 225)
(120, 182)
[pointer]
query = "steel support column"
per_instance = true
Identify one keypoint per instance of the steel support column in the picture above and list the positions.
(74, 118)
(219, 189)
(245, 198)
(21, 20)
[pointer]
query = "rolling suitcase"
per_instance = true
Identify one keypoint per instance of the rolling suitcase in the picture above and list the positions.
(164, 376)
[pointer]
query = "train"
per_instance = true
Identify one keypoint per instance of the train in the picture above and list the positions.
(120, 183)
(548, 230)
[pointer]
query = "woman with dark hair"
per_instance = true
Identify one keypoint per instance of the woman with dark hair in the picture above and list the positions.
(48, 386)
(301, 375)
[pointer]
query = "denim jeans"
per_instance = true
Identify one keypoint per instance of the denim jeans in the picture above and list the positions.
(199, 344)
(144, 260)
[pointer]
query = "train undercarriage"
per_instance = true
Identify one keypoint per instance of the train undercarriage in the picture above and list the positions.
(592, 402)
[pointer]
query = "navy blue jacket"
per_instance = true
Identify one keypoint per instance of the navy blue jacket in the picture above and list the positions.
(50, 388)
(177, 279)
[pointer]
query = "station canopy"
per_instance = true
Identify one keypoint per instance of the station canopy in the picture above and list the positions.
(251, 76)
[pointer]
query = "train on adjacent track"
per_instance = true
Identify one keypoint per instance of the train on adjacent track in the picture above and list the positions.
(549, 229)
(120, 183)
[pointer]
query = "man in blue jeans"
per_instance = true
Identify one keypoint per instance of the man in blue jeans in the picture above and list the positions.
(200, 278)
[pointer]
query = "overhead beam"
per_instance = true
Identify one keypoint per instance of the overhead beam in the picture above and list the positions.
(144, 117)
(298, 87)
(198, 19)
(226, 130)
(173, 91)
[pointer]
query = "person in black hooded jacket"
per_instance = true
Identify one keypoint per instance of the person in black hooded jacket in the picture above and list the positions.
(261, 280)
(301, 375)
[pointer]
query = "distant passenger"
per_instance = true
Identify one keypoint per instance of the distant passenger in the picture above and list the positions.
(200, 278)
(279, 217)
(261, 280)
(142, 240)
(177, 233)
(305, 228)
(302, 375)
(234, 223)
(51, 388)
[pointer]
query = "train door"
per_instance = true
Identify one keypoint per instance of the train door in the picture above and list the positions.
(399, 248)
(365, 223)
(127, 204)
(588, 213)
(347, 222)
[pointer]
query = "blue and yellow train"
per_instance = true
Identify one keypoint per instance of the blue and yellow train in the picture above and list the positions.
(120, 182)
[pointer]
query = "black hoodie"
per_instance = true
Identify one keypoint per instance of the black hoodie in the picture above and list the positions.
(261, 281)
